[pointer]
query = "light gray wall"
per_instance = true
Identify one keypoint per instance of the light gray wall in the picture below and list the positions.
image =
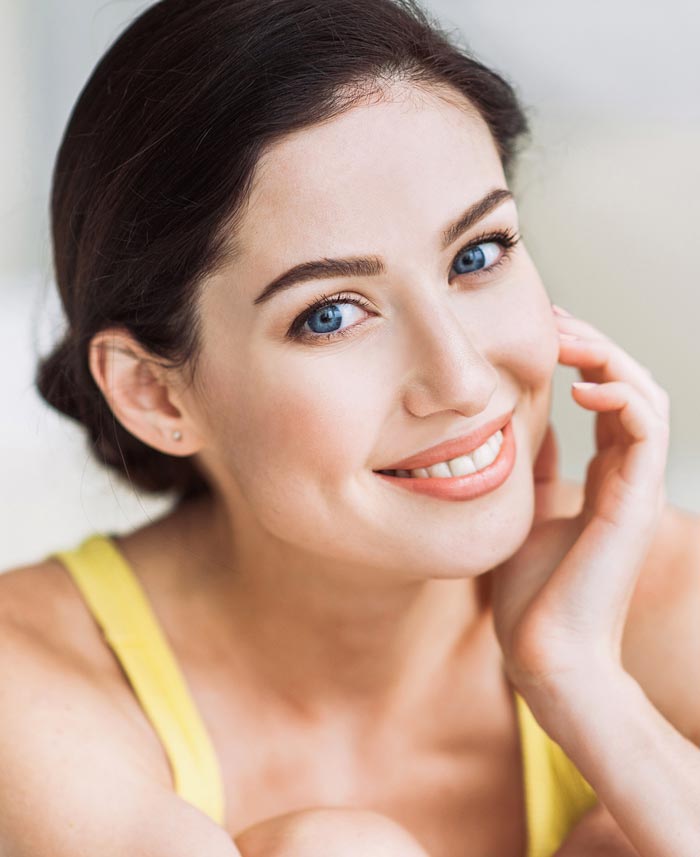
(608, 192)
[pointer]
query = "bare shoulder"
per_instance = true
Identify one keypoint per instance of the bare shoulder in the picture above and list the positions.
(45, 622)
(72, 749)
(661, 642)
(50, 643)
(40, 603)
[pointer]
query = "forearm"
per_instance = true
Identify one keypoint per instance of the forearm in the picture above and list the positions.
(645, 772)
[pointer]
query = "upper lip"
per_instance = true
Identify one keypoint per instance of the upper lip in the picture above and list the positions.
(453, 448)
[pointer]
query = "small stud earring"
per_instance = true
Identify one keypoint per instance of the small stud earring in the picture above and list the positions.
(177, 435)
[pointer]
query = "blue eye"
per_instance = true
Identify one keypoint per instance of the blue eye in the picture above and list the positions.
(475, 258)
(324, 317)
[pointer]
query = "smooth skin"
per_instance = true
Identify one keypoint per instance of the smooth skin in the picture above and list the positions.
(315, 610)
(52, 813)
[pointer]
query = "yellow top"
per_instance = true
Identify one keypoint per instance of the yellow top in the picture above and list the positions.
(556, 794)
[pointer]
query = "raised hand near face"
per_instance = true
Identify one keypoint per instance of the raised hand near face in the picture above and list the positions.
(560, 603)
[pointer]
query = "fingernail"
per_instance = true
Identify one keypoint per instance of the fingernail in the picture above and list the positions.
(567, 335)
(583, 385)
(559, 311)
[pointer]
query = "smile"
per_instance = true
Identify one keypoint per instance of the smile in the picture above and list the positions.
(465, 477)
(462, 465)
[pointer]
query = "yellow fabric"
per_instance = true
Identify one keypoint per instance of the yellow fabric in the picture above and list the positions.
(556, 794)
(120, 607)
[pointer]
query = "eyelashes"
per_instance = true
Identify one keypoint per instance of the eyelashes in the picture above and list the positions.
(505, 238)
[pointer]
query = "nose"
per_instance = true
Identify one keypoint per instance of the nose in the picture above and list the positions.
(450, 372)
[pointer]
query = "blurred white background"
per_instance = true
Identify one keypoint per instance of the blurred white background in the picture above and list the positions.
(609, 197)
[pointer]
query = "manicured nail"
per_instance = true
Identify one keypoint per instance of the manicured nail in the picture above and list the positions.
(568, 336)
(583, 385)
(559, 311)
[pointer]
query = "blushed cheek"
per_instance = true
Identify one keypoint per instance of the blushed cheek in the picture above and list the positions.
(306, 430)
(317, 423)
(528, 342)
(526, 350)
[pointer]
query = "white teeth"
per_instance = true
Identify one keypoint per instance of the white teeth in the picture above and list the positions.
(463, 464)
(495, 441)
(420, 473)
(483, 456)
(440, 469)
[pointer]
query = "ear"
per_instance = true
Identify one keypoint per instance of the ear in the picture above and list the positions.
(142, 393)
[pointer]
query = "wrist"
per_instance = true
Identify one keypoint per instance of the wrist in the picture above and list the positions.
(566, 697)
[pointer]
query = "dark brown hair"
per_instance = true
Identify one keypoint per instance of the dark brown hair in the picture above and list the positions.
(156, 164)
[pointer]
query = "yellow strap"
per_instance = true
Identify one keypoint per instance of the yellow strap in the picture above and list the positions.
(121, 608)
(556, 793)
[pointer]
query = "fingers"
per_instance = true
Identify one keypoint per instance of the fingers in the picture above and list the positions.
(620, 385)
(601, 360)
(635, 413)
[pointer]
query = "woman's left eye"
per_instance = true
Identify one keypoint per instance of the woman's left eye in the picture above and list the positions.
(478, 257)
(486, 252)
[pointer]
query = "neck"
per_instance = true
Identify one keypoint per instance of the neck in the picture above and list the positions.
(326, 640)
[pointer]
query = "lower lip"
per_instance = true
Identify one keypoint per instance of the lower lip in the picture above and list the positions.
(469, 486)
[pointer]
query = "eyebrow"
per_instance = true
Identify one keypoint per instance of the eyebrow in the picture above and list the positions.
(372, 266)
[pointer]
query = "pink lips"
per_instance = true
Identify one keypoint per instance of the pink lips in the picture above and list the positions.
(452, 448)
(464, 487)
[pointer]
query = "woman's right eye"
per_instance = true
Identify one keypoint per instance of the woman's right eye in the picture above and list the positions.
(324, 318)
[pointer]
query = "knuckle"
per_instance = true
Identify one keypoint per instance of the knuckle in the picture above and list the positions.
(663, 429)
(665, 400)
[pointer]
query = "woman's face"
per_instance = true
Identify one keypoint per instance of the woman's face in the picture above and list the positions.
(443, 342)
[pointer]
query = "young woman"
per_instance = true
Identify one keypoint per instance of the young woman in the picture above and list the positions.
(295, 290)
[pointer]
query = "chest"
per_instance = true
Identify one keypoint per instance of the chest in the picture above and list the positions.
(462, 796)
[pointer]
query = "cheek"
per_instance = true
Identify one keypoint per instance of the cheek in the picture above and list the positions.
(305, 420)
(304, 434)
(528, 343)
(318, 420)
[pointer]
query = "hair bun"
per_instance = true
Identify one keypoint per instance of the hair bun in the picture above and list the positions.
(56, 382)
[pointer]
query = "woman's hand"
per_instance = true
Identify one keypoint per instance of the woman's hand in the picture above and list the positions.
(560, 603)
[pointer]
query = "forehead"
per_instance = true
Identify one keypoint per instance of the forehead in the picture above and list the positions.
(408, 161)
